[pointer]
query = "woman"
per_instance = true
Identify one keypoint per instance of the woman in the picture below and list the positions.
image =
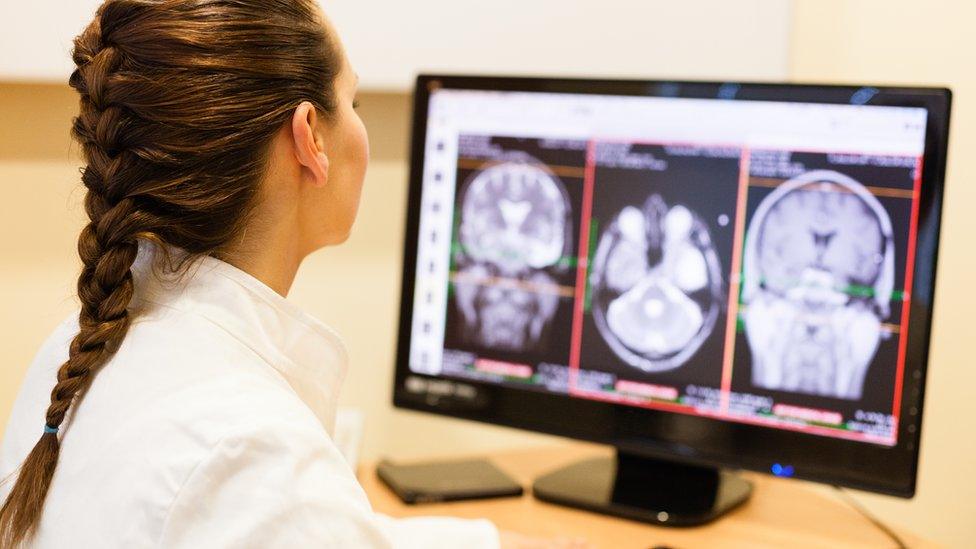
(188, 403)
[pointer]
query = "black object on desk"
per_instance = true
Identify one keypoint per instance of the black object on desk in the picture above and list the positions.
(447, 481)
(649, 490)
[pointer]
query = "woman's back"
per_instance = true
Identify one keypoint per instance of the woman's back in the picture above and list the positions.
(195, 434)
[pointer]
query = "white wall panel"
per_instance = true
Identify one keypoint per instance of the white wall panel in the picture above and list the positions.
(390, 41)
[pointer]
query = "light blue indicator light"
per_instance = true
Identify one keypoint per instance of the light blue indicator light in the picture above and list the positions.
(863, 95)
(782, 470)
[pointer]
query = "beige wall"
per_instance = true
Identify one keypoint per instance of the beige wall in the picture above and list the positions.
(355, 287)
(913, 42)
(41, 191)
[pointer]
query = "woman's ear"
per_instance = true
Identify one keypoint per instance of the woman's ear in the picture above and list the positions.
(309, 151)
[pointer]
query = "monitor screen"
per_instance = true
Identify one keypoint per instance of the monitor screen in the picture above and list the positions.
(743, 261)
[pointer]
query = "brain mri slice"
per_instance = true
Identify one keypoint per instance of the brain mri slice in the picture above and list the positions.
(818, 276)
(514, 231)
(656, 285)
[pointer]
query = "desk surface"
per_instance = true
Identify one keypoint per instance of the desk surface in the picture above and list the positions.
(780, 513)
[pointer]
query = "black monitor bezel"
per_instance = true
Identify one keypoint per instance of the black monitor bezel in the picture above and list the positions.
(686, 438)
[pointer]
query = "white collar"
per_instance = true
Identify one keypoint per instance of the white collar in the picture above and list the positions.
(309, 355)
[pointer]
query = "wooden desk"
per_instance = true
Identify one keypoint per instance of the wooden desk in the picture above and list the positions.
(781, 513)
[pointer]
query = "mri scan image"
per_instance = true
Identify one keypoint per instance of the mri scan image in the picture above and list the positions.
(818, 276)
(514, 231)
(656, 284)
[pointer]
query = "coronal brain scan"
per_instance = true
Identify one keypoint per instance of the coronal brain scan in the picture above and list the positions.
(818, 276)
(656, 283)
(514, 233)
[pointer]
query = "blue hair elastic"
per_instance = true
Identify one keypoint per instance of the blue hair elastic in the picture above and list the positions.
(49, 429)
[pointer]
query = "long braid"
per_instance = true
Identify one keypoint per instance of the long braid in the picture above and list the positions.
(107, 247)
(180, 102)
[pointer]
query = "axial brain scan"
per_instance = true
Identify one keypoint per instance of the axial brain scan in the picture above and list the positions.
(657, 284)
(819, 268)
(514, 231)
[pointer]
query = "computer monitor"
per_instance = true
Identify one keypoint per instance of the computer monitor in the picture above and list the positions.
(703, 275)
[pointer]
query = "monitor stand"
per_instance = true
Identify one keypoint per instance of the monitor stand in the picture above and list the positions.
(645, 489)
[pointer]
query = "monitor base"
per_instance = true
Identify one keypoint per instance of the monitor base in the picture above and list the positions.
(645, 489)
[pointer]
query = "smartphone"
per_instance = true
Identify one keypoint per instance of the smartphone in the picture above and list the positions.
(447, 481)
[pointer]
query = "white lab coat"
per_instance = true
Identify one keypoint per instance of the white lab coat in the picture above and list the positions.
(210, 427)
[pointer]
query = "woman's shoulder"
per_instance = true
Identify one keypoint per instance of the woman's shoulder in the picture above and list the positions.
(28, 413)
(188, 367)
(176, 379)
(165, 424)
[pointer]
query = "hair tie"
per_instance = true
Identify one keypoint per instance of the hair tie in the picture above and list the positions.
(49, 429)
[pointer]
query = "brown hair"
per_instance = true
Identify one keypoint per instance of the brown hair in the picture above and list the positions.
(180, 100)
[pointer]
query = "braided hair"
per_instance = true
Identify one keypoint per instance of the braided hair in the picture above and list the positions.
(179, 102)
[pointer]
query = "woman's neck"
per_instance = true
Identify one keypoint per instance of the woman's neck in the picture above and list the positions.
(278, 273)
(271, 256)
